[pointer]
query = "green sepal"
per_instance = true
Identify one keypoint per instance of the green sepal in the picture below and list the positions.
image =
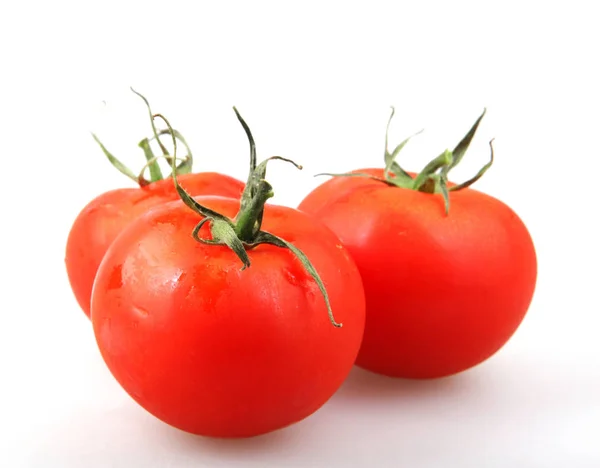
(185, 167)
(223, 232)
(194, 205)
(250, 141)
(479, 174)
(122, 168)
(391, 165)
(154, 131)
(462, 147)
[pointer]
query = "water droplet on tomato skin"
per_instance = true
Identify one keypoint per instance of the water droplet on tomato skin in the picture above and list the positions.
(291, 277)
(140, 311)
(303, 281)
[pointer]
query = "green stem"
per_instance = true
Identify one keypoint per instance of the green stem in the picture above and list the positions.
(248, 220)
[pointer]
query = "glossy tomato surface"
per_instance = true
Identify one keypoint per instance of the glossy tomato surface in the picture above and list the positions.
(443, 293)
(217, 351)
(101, 221)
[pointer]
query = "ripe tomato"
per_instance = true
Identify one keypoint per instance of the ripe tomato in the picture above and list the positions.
(217, 351)
(100, 222)
(444, 291)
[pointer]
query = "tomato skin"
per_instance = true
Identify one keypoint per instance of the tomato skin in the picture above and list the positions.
(217, 351)
(443, 293)
(101, 221)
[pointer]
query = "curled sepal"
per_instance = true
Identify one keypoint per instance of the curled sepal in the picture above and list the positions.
(261, 170)
(268, 238)
(185, 167)
(477, 176)
(162, 147)
(223, 233)
(122, 168)
(155, 172)
(186, 162)
(186, 197)
(141, 180)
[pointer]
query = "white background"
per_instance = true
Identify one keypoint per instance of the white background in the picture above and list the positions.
(315, 82)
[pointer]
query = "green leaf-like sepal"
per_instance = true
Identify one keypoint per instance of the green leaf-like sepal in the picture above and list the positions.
(479, 174)
(151, 114)
(391, 165)
(250, 141)
(185, 167)
(462, 147)
(122, 168)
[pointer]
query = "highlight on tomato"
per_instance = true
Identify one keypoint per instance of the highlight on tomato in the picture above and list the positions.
(449, 272)
(228, 318)
(103, 218)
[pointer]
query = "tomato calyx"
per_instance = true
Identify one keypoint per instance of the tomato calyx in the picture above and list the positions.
(184, 167)
(244, 232)
(433, 178)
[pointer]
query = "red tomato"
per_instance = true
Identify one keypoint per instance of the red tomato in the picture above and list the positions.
(99, 223)
(444, 292)
(217, 351)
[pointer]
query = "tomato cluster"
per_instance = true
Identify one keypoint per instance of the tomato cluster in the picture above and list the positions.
(226, 316)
